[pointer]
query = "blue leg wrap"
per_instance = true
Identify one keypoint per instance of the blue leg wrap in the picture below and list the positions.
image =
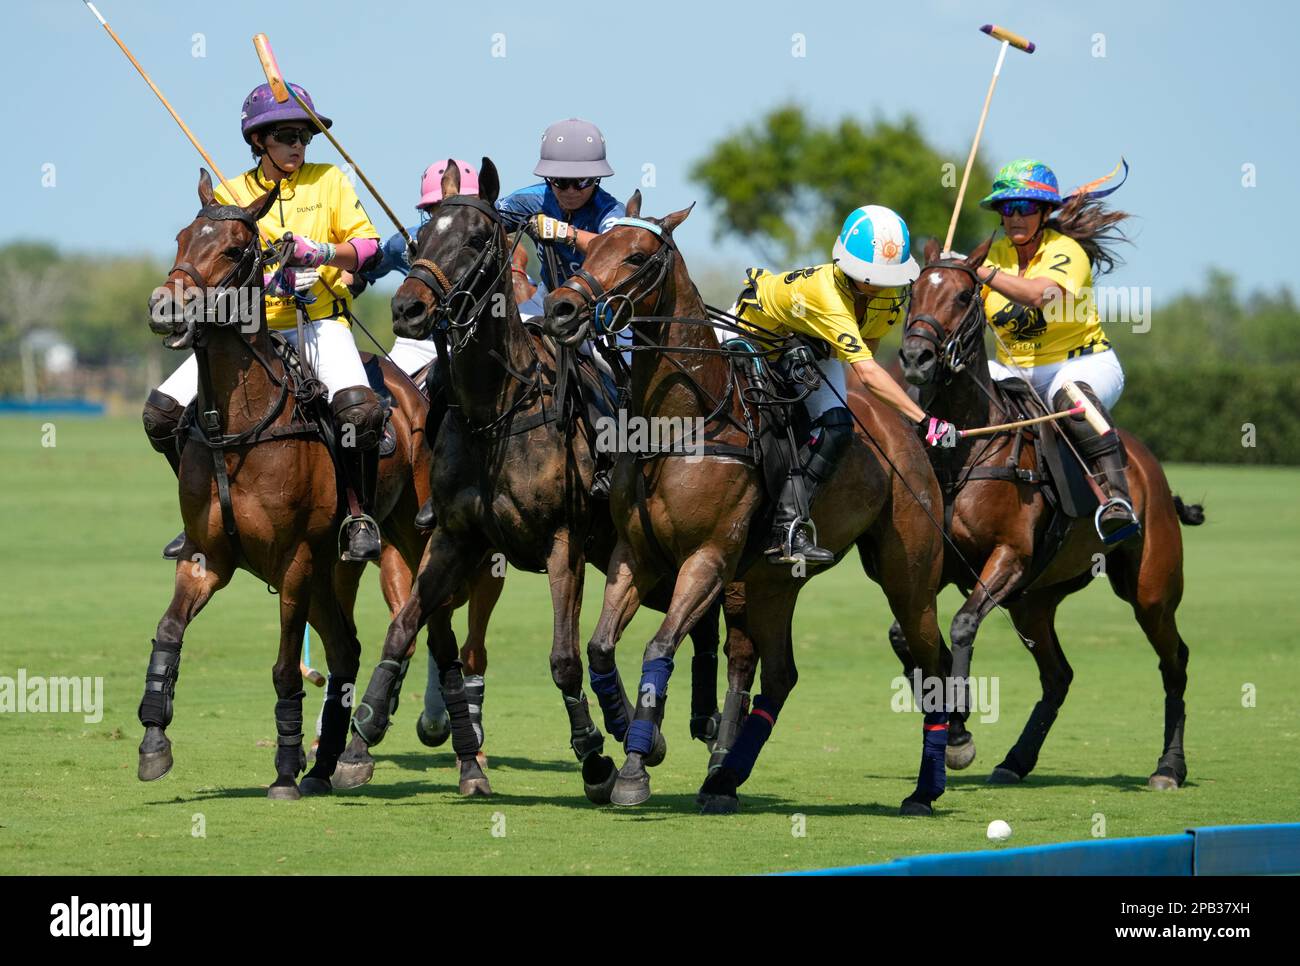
(932, 778)
(609, 693)
(753, 735)
(651, 695)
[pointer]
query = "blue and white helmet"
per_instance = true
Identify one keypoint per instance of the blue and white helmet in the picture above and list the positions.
(875, 248)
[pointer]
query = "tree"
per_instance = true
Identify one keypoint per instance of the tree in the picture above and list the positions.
(785, 183)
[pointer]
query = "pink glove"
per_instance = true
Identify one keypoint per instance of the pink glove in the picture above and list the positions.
(937, 431)
(310, 254)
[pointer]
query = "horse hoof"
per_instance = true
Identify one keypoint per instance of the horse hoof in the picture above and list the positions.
(432, 734)
(353, 774)
(284, 790)
(630, 791)
(711, 804)
(912, 807)
(475, 787)
(155, 764)
(597, 788)
(1003, 776)
(310, 786)
(659, 752)
(1162, 783)
(960, 756)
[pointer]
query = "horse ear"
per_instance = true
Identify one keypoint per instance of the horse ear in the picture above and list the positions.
(262, 205)
(976, 258)
(206, 193)
(451, 179)
(633, 205)
(671, 222)
(489, 182)
(931, 251)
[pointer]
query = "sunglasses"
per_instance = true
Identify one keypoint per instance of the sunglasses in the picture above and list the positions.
(576, 184)
(1019, 206)
(290, 136)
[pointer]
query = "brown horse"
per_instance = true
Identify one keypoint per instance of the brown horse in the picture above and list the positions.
(253, 440)
(999, 518)
(688, 523)
(510, 478)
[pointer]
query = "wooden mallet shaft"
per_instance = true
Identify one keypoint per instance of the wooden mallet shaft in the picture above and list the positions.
(1019, 423)
(1008, 40)
(282, 91)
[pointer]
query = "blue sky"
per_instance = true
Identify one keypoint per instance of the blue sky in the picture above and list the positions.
(1188, 92)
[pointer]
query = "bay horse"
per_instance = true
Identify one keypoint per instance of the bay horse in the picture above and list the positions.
(510, 476)
(999, 516)
(688, 523)
(254, 443)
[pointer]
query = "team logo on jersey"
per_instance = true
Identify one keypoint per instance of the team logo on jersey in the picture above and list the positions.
(1024, 322)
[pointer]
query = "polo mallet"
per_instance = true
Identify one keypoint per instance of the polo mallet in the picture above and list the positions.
(1020, 423)
(309, 672)
(1008, 39)
(230, 192)
(282, 92)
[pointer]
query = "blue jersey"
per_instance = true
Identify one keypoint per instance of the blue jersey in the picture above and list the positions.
(596, 216)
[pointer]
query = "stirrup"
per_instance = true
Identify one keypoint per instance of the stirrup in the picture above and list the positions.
(786, 548)
(1130, 529)
(366, 520)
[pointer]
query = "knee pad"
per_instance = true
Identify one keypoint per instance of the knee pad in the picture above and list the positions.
(836, 430)
(161, 416)
(359, 407)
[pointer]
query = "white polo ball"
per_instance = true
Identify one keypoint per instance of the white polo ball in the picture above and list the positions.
(999, 831)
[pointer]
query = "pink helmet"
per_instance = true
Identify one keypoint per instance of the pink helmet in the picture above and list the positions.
(431, 183)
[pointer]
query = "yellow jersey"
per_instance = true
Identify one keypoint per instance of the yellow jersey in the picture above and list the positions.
(1060, 330)
(316, 201)
(818, 302)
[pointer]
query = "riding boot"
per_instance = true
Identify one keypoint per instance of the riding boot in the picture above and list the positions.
(162, 419)
(1115, 520)
(833, 430)
(359, 424)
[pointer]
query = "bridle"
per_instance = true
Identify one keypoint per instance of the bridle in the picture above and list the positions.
(612, 309)
(457, 307)
(956, 350)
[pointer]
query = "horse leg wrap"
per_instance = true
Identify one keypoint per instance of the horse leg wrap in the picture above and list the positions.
(584, 738)
(1172, 759)
(704, 693)
(474, 688)
(1022, 758)
(160, 684)
(608, 688)
(653, 693)
(932, 778)
(753, 735)
(289, 757)
(464, 740)
(735, 706)
(334, 722)
(366, 723)
(434, 705)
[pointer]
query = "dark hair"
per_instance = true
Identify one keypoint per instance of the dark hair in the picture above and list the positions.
(1094, 227)
(257, 152)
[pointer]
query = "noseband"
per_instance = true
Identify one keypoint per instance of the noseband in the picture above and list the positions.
(954, 351)
(604, 303)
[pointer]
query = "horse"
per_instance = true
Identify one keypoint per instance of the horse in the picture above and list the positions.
(258, 491)
(999, 516)
(698, 525)
(510, 480)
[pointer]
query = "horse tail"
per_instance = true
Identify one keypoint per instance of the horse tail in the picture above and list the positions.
(1193, 515)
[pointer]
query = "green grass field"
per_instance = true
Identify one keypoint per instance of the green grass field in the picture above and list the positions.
(83, 588)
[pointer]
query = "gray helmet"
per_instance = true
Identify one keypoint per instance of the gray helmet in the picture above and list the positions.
(573, 149)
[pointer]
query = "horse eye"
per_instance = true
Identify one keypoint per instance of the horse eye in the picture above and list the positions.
(637, 258)
(234, 253)
(964, 298)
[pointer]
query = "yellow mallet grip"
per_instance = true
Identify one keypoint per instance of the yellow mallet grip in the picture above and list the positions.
(1015, 40)
(270, 68)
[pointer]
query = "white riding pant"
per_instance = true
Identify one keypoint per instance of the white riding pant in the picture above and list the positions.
(1100, 370)
(412, 355)
(330, 350)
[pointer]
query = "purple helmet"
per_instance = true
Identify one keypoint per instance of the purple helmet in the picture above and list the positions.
(261, 109)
